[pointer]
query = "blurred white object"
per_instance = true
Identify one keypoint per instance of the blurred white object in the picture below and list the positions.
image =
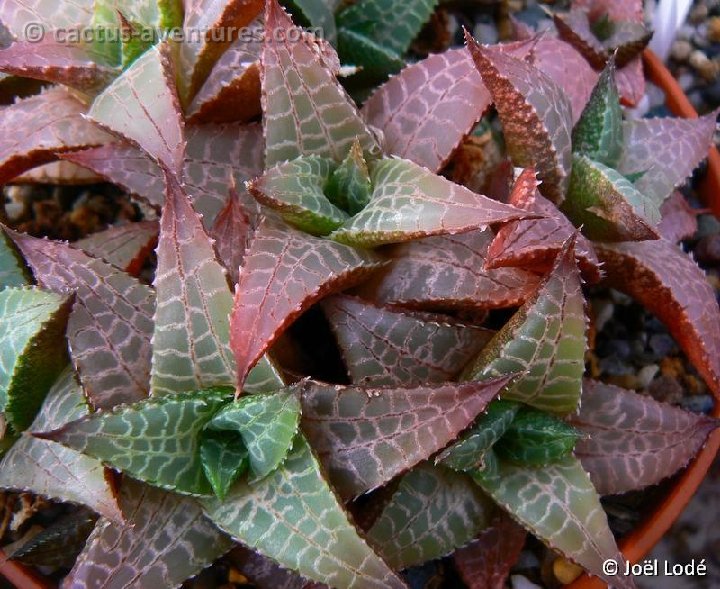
(668, 17)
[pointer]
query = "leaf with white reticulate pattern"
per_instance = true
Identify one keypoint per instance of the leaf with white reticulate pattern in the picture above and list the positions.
(51, 123)
(391, 346)
(447, 272)
(306, 110)
(124, 246)
(545, 340)
(166, 540)
(366, 436)
(53, 471)
(110, 326)
(633, 441)
(191, 341)
(433, 512)
(12, 269)
(409, 202)
(296, 503)
(53, 14)
(33, 351)
(134, 440)
(669, 284)
(284, 273)
(426, 110)
(535, 113)
(665, 150)
(560, 506)
(142, 106)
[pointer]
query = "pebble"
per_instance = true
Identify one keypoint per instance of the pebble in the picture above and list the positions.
(698, 403)
(713, 29)
(698, 14)
(707, 250)
(646, 375)
(662, 345)
(708, 225)
(520, 582)
(681, 50)
(698, 59)
(565, 571)
(665, 389)
(603, 312)
(614, 366)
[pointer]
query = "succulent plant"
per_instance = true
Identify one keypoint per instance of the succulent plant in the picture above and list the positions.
(177, 410)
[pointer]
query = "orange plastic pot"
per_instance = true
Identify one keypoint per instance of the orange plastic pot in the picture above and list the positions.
(638, 543)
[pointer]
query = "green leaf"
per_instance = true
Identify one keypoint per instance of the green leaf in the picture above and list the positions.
(306, 111)
(560, 506)
(545, 340)
(267, 424)
(318, 14)
(293, 517)
(536, 438)
(165, 540)
(134, 438)
(142, 105)
(392, 24)
(48, 469)
(33, 351)
(191, 340)
(433, 512)
(12, 271)
(375, 61)
(349, 186)
(607, 205)
(409, 201)
(599, 134)
(468, 453)
(265, 377)
(297, 189)
(224, 459)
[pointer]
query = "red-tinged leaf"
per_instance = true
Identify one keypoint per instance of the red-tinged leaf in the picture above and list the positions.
(409, 202)
(166, 540)
(59, 63)
(447, 272)
(124, 246)
(232, 91)
(535, 113)
(18, 14)
(54, 471)
(284, 273)
(630, 10)
(560, 506)
(434, 511)
(142, 106)
(625, 41)
(426, 110)
(545, 341)
(306, 110)
(263, 572)
(213, 26)
(366, 436)
(51, 123)
(631, 82)
(216, 156)
(191, 348)
(110, 325)
(535, 243)
(232, 232)
(389, 346)
(59, 172)
(665, 151)
(125, 165)
(563, 64)
(669, 284)
(485, 563)
(679, 219)
(633, 441)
